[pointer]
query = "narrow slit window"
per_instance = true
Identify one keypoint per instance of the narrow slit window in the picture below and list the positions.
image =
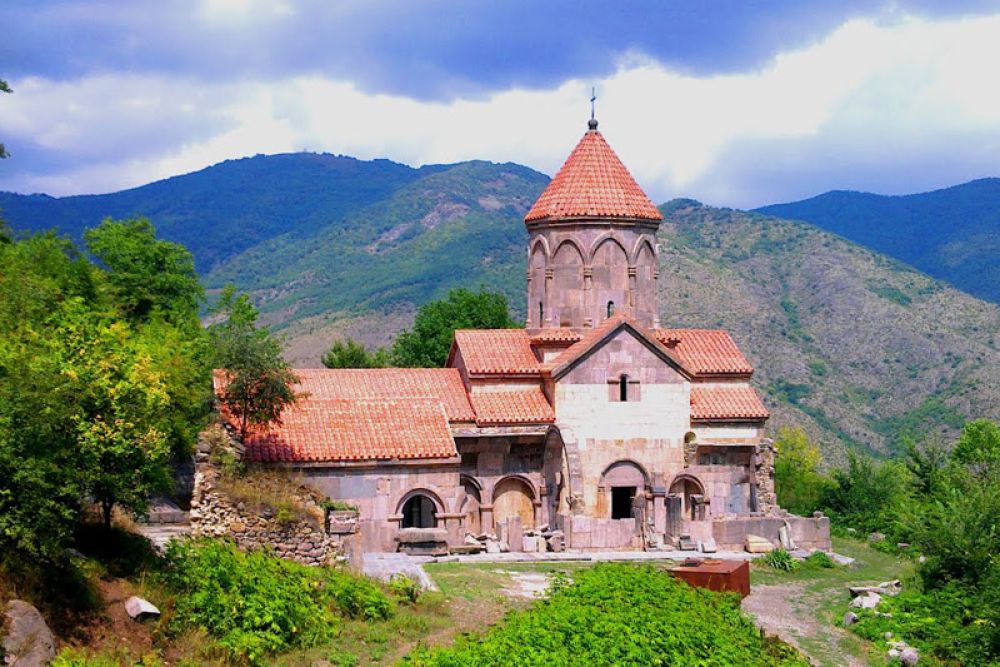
(541, 313)
(611, 308)
(623, 388)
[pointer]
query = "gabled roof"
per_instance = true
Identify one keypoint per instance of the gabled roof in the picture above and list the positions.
(593, 183)
(355, 430)
(516, 406)
(441, 384)
(495, 351)
(609, 328)
(737, 402)
(706, 351)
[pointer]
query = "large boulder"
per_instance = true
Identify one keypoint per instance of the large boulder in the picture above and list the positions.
(29, 642)
(140, 609)
(866, 601)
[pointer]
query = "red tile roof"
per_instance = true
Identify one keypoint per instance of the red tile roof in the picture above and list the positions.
(593, 182)
(593, 338)
(706, 351)
(555, 335)
(516, 406)
(738, 402)
(496, 351)
(355, 430)
(443, 384)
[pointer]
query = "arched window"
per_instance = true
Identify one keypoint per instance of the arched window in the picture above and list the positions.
(611, 308)
(623, 388)
(419, 512)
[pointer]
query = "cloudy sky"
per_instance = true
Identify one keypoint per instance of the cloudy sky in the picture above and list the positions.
(733, 102)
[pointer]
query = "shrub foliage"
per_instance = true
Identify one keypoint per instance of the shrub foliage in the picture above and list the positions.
(619, 614)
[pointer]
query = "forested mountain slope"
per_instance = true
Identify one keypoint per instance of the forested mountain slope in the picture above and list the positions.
(952, 234)
(854, 345)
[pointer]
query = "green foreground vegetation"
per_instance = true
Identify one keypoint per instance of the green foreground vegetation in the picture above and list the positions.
(939, 505)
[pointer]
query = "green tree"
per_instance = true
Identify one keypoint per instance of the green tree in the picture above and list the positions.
(121, 405)
(928, 463)
(427, 344)
(349, 353)
(257, 383)
(797, 479)
(869, 495)
(979, 447)
(145, 274)
(4, 88)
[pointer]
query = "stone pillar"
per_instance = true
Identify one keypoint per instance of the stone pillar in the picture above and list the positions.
(659, 510)
(588, 296)
(630, 297)
(531, 310)
(656, 298)
(549, 273)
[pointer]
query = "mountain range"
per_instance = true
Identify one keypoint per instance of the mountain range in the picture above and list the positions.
(856, 346)
(952, 234)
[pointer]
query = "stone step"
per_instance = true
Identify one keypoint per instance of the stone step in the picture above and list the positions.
(160, 534)
(165, 511)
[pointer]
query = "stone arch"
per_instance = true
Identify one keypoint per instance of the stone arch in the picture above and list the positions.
(609, 275)
(644, 288)
(540, 241)
(690, 489)
(430, 492)
(566, 298)
(601, 240)
(472, 503)
(514, 495)
(419, 509)
(619, 489)
(638, 247)
(538, 262)
(625, 470)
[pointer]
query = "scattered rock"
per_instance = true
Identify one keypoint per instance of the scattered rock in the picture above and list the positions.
(29, 642)
(866, 601)
(876, 537)
(818, 515)
(756, 544)
(707, 546)
(902, 546)
(850, 618)
(492, 547)
(140, 609)
(893, 654)
(840, 559)
(888, 636)
(909, 656)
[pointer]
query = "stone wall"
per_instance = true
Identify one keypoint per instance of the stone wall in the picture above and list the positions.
(214, 514)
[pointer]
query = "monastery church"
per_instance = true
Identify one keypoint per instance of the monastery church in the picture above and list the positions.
(593, 420)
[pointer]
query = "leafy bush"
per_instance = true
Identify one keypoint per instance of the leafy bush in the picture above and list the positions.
(404, 588)
(255, 604)
(620, 614)
(358, 597)
(75, 657)
(869, 495)
(820, 559)
(779, 559)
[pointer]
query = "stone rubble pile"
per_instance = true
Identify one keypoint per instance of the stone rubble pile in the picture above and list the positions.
(868, 597)
(304, 540)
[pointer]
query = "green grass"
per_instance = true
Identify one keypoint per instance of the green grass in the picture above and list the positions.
(824, 596)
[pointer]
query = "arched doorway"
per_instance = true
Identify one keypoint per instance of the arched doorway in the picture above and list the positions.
(513, 497)
(622, 481)
(419, 512)
(692, 496)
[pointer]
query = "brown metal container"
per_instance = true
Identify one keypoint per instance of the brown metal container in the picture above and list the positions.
(716, 575)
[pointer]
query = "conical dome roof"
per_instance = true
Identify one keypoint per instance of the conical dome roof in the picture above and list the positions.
(593, 183)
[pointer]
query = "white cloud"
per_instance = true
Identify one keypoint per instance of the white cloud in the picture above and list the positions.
(867, 94)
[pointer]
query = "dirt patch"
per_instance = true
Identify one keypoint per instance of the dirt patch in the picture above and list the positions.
(786, 610)
(527, 585)
(112, 629)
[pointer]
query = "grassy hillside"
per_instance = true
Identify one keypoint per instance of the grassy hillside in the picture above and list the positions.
(854, 345)
(952, 234)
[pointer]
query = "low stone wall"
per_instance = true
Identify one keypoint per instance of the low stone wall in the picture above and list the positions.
(305, 540)
(806, 532)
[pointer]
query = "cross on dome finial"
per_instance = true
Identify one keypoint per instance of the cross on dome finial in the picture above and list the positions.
(592, 123)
